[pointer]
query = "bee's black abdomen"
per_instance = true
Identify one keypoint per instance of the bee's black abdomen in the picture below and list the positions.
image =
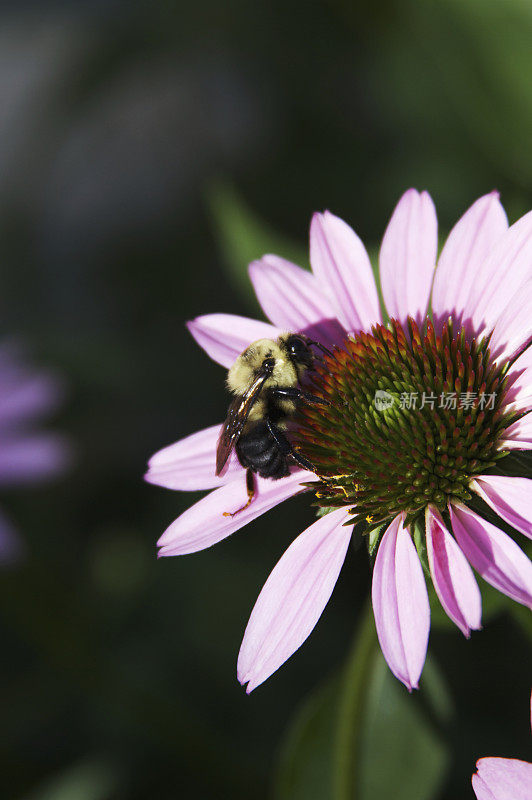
(258, 450)
(276, 468)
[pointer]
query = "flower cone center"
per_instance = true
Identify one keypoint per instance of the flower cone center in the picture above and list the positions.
(412, 418)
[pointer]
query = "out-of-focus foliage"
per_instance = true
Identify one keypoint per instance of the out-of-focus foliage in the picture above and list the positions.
(242, 238)
(118, 676)
(478, 53)
(90, 780)
(361, 736)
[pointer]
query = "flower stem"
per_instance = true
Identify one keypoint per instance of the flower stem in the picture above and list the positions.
(351, 707)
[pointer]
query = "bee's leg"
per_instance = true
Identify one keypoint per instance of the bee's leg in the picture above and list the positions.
(293, 393)
(313, 399)
(286, 448)
(250, 488)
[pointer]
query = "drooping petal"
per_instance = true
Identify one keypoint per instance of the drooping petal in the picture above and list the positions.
(493, 554)
(408, 256)
(290, 297)
(503, 779)
(27, 396)
(518, 435)
(507, 268)
(452, 576)
(401, 604)
(513, 329)
(33, 458)
(510, 498)
(293, 598)
(204, 523)
(467, 247)
(341, 264)
(190, 463)
(225, 336)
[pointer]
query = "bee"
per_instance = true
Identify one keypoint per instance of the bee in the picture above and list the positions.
(265, 380)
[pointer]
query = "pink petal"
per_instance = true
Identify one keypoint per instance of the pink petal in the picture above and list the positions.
(481, 790)
(204, 523)
(401, 604)
(493, 554)
(503, 779)
(408, 256)
(507, 268)
(519, 395)
(510, 498)
(452, 576)
(343, 269)
(33, 458)
(290, 297)
(293, 598)
(190, 463)
(225, 336)
(520, 382)
(513, 329)
(467, 247)
(518, 435)
(523, 362)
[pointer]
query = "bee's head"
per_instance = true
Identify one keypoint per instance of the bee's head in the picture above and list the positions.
(297, 347)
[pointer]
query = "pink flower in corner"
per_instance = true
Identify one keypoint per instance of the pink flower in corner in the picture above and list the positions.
(423, 411)
(28, 456)
(503, 779)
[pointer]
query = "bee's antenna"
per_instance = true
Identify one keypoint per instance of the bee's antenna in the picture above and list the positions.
(321, 347)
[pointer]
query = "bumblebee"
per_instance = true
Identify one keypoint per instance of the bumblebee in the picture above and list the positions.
(265, 380)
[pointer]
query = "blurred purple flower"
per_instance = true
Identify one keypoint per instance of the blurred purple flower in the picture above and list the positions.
(483, 283)
(28, 456)
(503, 778)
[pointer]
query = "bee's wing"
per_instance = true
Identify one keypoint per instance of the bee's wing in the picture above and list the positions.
(237, 415)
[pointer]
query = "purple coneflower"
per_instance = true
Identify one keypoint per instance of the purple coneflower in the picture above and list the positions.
(27, 455)
(503, 778)
(424, 413)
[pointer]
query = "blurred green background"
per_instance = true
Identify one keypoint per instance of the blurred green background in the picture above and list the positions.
(147, 152)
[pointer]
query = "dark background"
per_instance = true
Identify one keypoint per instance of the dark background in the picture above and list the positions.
(131, 134)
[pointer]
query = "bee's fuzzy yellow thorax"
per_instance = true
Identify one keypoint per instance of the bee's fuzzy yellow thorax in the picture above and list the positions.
(248, 364)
